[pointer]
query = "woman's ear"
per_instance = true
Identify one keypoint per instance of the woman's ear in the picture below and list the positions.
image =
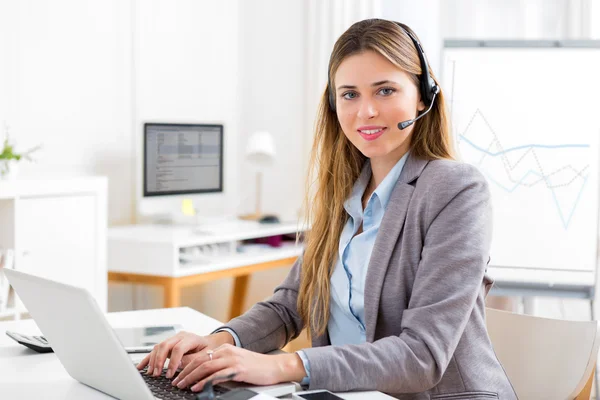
(421, 105)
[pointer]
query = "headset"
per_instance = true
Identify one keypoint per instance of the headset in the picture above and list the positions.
(427, 86)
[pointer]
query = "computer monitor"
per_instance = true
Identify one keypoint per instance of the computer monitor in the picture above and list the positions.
(182, 159)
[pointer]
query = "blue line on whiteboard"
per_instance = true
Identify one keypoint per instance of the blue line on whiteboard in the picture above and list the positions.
(543, 176)
(526, 146)
(507, 189)
(566, 223)
(560, 213)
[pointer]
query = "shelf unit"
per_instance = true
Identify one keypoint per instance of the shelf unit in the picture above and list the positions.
(156, 250)
(57, 230)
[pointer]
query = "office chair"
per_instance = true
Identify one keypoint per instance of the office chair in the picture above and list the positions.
(545, 358)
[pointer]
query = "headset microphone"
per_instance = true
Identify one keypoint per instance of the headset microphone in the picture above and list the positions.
(406, 124)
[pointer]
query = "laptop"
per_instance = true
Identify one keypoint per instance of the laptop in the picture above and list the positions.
(89, 349)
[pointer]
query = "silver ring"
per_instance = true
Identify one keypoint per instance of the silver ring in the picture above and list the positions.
(210, 354)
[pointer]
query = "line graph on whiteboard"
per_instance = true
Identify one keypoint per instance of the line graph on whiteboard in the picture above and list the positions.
(527, 166)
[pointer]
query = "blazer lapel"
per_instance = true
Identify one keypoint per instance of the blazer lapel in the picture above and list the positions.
(389, 231)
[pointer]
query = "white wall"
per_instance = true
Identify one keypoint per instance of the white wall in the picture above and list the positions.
(425, 19)
(271, 71)
(81, 77)
(64, 83)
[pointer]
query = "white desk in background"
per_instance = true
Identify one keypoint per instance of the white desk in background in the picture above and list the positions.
(175, 256)
(27, 375)
(529, 282)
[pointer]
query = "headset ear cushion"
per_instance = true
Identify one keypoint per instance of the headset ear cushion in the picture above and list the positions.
(426, 91)
(429, 88)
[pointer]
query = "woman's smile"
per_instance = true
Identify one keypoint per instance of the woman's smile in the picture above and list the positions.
(371, 132)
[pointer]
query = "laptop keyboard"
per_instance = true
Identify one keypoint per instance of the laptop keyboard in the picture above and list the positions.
(161, 387)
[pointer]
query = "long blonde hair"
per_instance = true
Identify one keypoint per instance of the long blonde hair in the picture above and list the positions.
(335, 163)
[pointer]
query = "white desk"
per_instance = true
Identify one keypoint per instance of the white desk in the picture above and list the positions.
(25, 374)
(169, 256)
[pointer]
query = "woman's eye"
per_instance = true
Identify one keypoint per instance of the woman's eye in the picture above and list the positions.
(383, 91)
(387, 91)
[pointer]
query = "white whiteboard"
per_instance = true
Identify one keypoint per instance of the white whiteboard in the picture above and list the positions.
(529, 119)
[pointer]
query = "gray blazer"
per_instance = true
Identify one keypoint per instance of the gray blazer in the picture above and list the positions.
(424, 298)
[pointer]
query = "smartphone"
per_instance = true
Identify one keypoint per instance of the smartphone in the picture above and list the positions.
(316, 395)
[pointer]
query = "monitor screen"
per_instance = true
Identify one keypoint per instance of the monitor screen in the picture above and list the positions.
(182, 159)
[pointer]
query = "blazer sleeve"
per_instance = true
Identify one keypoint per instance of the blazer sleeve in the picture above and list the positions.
(271, 324)
(447, 282)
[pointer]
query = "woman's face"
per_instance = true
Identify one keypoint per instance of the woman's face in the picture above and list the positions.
(372, 97)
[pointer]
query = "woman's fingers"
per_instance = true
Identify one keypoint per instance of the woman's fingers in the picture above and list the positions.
(204, 365)
(186, 359)
(200, 372)
(177, 349)
(150, 369)
(221, 373)
(177, 353)
(196, 362)
(144, 362)
(162, 351)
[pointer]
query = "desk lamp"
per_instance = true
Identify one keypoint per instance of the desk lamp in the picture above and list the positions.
(260, 152)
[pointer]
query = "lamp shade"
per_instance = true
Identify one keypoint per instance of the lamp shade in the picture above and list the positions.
(261, 148)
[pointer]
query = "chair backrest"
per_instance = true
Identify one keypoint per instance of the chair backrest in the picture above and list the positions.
(544, 358)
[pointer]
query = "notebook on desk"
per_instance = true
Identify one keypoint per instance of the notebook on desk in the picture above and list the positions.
(89, 349)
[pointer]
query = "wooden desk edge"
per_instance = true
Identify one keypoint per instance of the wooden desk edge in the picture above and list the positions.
(173, 285)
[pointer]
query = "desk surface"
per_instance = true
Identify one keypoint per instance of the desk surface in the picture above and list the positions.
(25, 374)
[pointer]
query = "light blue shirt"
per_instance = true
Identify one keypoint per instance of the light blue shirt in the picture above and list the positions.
(346, 323)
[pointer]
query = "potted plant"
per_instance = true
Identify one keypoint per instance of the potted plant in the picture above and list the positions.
(9, 159)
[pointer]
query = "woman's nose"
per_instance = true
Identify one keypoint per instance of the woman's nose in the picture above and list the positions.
(367, 109)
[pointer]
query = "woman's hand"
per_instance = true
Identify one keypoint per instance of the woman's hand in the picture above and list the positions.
(248, 366)
(181, 349)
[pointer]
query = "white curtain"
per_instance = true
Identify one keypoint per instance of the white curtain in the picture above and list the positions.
(594, 19)
(519, 19)
(326, 21)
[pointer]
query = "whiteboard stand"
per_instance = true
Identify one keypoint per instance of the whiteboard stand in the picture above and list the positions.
(532, 282)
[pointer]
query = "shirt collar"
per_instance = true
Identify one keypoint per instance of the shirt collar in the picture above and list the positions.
(353, 205)
(386, 187)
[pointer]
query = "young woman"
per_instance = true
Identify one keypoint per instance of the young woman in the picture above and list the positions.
(391, 285)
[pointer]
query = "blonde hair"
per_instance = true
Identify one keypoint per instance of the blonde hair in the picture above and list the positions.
(335, 163)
